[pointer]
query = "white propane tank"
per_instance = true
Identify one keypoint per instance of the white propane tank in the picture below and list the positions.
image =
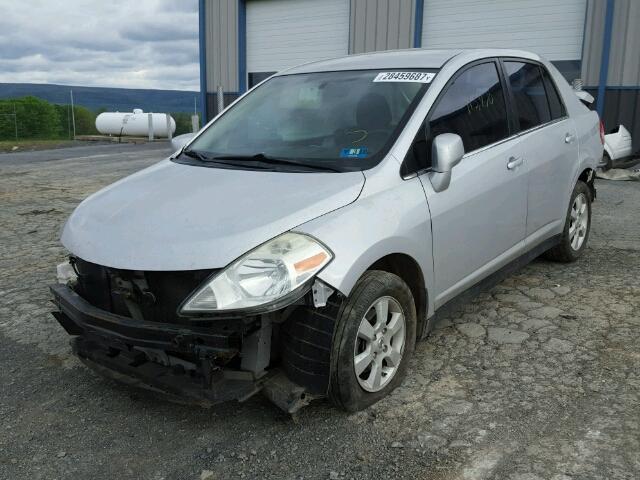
(135, 124)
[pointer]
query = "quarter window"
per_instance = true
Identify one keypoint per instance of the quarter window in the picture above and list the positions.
(555, 104)
(529, 97)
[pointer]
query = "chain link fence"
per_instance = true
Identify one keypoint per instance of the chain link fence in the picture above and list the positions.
(31, 118)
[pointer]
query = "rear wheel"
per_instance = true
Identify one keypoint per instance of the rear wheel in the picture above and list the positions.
(607, 163)
(374, 338)
(577, 227)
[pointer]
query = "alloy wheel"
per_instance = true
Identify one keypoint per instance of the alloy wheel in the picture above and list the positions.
(579, 221)
(379, 344)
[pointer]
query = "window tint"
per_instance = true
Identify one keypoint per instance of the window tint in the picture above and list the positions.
(417, 158)
(473, 107)
(555, 104)
(343, 120)
(530, 100)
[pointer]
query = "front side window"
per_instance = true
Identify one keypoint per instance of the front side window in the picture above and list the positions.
(343, 120)
(529, 96)
(472, 106)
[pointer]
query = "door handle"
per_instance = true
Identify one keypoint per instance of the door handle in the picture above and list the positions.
(514, 162)
(568, 138)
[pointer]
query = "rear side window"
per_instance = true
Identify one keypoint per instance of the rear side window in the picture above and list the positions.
(473, 107)
(555, 104)
(529, 96)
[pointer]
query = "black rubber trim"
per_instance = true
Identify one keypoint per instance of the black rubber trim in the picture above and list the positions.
(181, 387)
(491, 280)
(79, 317)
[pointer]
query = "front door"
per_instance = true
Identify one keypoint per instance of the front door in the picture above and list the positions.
(479, 221)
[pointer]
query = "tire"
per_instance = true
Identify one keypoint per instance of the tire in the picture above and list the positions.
(375, 288)
(607, 163)
(306, 345)
(569, 250)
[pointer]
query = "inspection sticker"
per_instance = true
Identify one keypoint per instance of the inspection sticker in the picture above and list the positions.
(360, 152)
(419, 77)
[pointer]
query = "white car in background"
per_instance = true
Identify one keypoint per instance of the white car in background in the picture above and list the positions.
(617, 147)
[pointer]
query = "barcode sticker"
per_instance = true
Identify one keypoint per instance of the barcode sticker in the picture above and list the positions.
(419, 77)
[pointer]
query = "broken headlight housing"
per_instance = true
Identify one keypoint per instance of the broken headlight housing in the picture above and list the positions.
(262, 277)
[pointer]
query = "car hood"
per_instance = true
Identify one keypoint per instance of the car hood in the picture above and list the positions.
(181, 217)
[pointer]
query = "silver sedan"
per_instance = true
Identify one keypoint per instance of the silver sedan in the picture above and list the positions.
(303, 240)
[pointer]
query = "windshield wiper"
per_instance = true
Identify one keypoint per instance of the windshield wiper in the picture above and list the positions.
(202, 157)
(262, 158)
(195, 154)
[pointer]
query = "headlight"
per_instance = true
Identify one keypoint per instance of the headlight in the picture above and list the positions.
(262, 276)
(65, 273)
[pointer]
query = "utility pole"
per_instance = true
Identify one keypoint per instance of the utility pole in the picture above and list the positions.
(73, 115)
(69, 121)
(15, 121)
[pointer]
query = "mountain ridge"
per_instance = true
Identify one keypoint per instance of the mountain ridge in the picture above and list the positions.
(113, 99)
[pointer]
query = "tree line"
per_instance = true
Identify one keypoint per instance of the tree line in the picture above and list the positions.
(33, 118)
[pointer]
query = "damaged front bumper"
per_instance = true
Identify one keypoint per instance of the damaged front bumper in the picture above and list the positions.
(183, 362)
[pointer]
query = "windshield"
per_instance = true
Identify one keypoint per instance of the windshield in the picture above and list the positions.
(339, 120)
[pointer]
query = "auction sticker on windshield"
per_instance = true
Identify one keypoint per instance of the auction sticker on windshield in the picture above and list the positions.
(420, 77)
(361, 152)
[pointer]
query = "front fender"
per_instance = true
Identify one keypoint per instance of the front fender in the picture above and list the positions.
(386, 219)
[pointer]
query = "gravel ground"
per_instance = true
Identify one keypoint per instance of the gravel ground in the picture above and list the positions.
(537, 379)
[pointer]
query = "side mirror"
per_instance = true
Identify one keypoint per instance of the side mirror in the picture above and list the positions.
(446, 152)
(180, 141)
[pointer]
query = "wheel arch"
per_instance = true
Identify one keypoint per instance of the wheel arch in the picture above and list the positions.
(408, 269)
(588, 176)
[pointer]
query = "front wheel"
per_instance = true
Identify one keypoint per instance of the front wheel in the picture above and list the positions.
(374, 338)
(577, 227)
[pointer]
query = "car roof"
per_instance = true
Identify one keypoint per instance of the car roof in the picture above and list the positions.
(409, 58)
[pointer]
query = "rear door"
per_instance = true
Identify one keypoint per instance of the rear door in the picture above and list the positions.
(478, 222)
(549, 141)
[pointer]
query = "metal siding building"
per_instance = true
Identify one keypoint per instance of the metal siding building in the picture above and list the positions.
(381, 25)
(617, 48)
(244, 41)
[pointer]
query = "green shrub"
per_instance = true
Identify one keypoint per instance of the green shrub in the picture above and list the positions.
(85, 121)
(65, 127)
(39, 119)
(183, 122)
(35, 118)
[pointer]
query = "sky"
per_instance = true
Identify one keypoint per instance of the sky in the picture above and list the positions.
(101, 43)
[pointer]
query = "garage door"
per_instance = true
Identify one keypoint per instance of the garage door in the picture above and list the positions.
(552, 28)
(284, 33)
